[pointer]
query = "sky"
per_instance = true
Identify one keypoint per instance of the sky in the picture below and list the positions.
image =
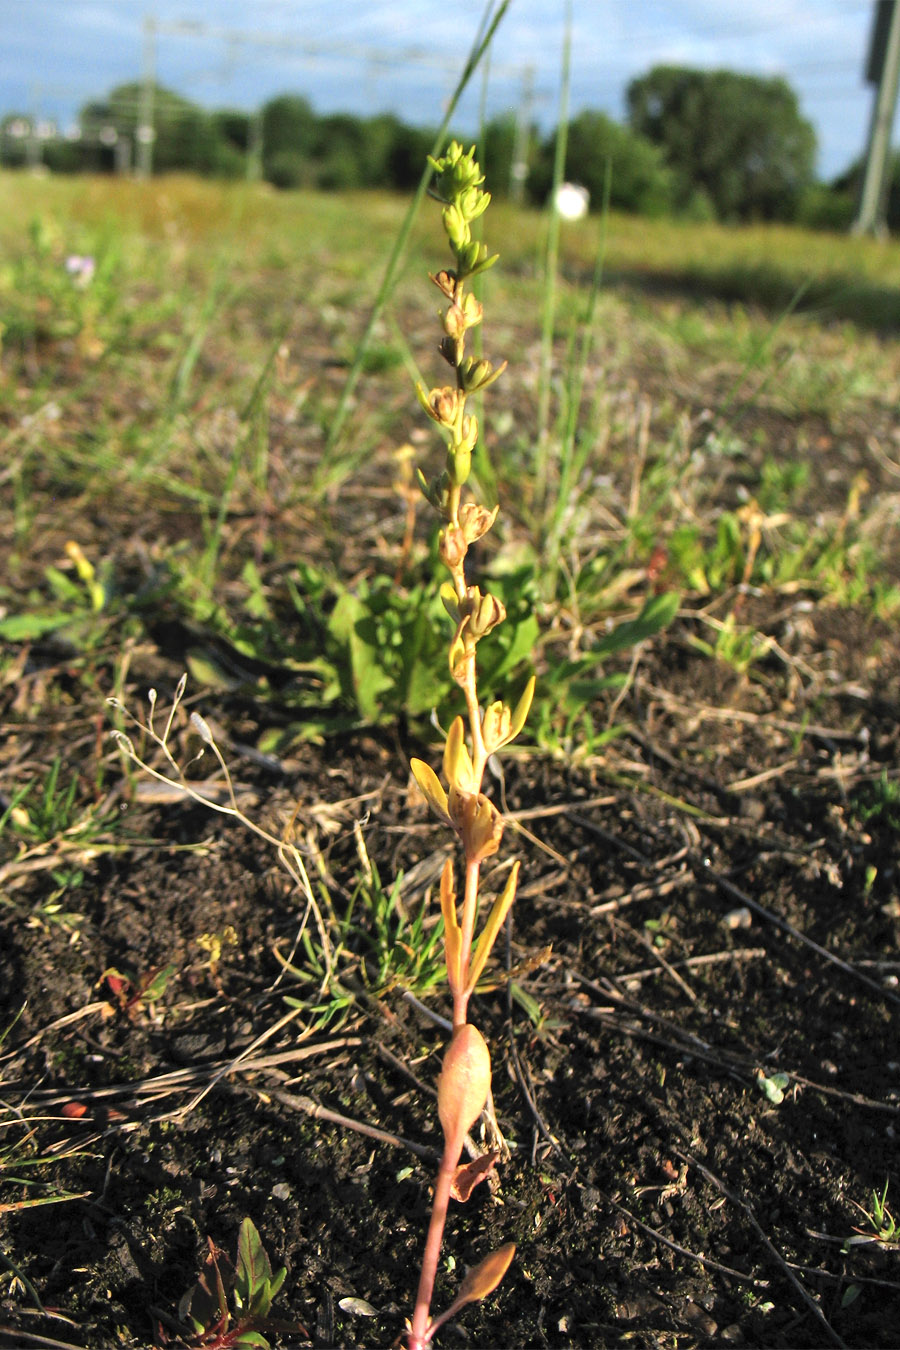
(404, 56)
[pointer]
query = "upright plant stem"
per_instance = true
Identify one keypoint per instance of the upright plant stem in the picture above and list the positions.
(431, 1255)
(470, 906)
(488, 26)
(464, 1085)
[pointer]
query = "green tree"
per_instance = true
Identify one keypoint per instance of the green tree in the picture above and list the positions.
(497, 148)
(185, 136)
(738, 140)
(409, 147)
(597, 147)
(342, 153)
(232, 126)
(15, 133)
(289, 131)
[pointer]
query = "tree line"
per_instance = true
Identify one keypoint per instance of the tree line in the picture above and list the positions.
(701, 144)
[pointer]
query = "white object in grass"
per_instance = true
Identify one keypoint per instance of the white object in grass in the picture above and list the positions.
(572, 201)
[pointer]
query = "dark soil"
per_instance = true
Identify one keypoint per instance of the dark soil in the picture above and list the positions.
(655, 1194)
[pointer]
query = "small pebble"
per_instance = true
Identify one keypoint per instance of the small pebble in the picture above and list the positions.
(738, 918)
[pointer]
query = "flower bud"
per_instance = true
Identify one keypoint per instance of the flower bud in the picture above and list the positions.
(500, 725)
(459, 464)
(458, 768)
(447, 349)
(491, 611)
(485, 611)
(450, 600)
(457, 229)
(457, 170)
(473, 310)
(469, 434)
(495, 726)
(472, 257)
(473, 202)
(475, 374)
(458, 653)
(436, 492)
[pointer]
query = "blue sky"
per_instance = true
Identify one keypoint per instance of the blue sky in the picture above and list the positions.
(369, 56)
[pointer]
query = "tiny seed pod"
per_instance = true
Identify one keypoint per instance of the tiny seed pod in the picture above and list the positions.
(201, 726)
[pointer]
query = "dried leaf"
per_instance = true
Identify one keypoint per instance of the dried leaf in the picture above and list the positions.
(452, 930)
(458, 768)
(522, 709)
(480, 1281)
(430, 786)
(484, 1278)
(488, 936)
(464, 1083)
(468, 1175)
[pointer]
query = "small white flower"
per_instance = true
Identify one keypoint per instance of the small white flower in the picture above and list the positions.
(81, 268)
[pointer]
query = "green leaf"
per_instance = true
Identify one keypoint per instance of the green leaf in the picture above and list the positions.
(63, 586)
(29, 627)
(657, 613)
(773, 1088)
(157, 986)
(529, 1005)
(422, 683)
(277, 1281)
(351, 623)
(252, 1270)
(524, 634)
(206, 670)
(256, 604)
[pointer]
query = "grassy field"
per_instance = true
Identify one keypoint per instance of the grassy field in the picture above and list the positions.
(699, 552)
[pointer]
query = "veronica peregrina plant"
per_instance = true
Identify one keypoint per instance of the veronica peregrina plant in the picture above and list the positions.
(465, 1080)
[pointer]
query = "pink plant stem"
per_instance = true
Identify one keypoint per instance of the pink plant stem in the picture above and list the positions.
(418, 1338)
(467, 924)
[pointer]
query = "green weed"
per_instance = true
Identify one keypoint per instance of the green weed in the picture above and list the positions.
(230, 1305)
(878, 803)
(399, 949)
(880, 1225)
(82, 608)
(739, 647)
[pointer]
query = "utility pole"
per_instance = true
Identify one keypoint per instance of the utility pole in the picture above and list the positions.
(146, 133)
(518, 170)
(883, 70)
(33, 155)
